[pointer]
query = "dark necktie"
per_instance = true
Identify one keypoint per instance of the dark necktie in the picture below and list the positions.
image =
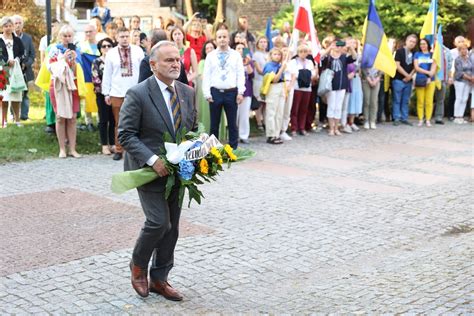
(175, 108)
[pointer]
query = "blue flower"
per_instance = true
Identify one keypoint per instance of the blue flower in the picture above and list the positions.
(186, 169)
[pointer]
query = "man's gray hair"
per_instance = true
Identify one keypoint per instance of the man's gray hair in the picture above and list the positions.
(156, 48)
(17, 17)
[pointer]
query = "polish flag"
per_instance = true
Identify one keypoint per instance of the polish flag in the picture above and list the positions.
(304, 22)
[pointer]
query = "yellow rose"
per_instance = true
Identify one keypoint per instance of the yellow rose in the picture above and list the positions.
(220, 161)
(203, 166)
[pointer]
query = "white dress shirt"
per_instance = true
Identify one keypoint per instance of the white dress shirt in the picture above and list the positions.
(113, 84)
(167, 96)
(223, 74)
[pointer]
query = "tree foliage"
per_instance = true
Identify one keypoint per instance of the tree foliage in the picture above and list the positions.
(399, 17)
(33, 16)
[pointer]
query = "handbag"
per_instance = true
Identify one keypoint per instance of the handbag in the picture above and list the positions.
(325, 82)
(17, 81)
(421, 81)
(304, 78)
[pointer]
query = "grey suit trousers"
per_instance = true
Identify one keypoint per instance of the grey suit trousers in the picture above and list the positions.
(159, 234)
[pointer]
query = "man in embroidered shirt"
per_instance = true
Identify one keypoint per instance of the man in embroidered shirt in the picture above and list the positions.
(224, 85)
(121, 71)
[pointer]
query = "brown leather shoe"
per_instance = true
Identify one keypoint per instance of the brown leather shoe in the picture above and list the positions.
(139, 280)
(165, 289)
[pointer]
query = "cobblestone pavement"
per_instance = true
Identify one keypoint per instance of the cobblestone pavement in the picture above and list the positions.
(377, 222)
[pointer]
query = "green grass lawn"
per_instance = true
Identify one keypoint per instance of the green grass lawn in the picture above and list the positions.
(30, 142)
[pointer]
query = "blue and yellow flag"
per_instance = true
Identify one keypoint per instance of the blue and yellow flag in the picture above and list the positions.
(438, 58)
(429, 26)
(268, 33)
(376, 52)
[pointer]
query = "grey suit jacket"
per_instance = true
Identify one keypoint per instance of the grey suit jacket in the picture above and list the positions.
(143, 120)
(29, 56)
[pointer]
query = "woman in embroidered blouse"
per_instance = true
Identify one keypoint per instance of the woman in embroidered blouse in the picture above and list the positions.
(106, 117)
(13, 46)
(188, 55)
(65, 126)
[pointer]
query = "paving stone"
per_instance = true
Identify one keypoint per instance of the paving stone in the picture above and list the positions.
(288, 232)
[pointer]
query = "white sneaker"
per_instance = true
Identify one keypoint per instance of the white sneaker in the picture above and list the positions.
(354, 128)
(373, 125)
(285, 136)
(347, 129)
(366, 125)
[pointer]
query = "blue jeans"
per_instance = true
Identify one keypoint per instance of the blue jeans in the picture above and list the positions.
(401, 97)
(228, 101)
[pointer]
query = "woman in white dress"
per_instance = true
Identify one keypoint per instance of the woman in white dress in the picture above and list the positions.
(14, 46)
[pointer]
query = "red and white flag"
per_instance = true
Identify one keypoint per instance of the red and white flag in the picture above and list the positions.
(304, 22)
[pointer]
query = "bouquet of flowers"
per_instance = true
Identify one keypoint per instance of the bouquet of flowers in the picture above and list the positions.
(195, 158)
(3, 79)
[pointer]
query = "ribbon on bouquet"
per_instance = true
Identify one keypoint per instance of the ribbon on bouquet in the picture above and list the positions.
(191, 150)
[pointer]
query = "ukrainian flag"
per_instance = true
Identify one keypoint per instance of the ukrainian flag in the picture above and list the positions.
(429, 27)
(438, 57)
(376, 52)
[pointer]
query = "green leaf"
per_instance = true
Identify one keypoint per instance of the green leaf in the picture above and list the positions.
(167, 138)
(169, 185)
(181, 196)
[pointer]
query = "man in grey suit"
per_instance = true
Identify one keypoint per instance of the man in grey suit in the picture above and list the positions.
(27, 63)
(156, 106)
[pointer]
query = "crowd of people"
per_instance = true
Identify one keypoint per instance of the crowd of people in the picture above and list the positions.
(231, 72)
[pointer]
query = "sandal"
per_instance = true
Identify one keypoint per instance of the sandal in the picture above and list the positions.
(274, 141)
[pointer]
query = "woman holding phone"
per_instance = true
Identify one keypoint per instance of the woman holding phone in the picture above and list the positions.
(67, 79)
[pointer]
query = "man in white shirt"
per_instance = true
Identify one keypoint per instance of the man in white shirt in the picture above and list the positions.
(224, 85)
(121, 70)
